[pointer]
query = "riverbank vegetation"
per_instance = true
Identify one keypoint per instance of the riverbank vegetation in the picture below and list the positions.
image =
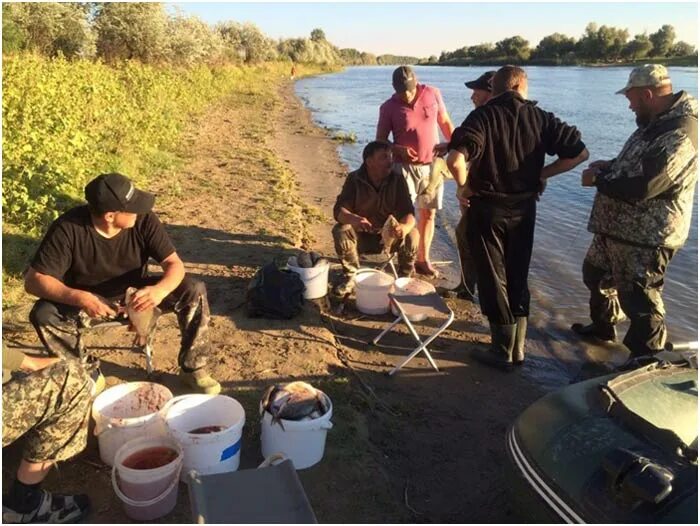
(599, 45)
(112, 87)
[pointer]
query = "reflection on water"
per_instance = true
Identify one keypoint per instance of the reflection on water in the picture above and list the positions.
(350, 100)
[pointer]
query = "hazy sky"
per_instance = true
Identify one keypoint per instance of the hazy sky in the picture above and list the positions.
(423, 29)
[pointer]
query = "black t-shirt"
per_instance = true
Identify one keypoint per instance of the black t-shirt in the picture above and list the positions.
(73, 252)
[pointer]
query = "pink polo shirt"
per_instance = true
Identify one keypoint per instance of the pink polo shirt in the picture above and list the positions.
(414, 125)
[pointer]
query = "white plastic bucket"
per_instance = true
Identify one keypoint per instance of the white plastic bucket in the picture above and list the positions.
(302, 441)
(146, 484)
(146, 510)
(315, 278)
(372, 291)
(208, 453)
(128, 411)
(411, 287)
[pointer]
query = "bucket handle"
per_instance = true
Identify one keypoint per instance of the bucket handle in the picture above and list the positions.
(143, 503)
(272, 460)
(170, 403)
(102, 429)
(327, 425)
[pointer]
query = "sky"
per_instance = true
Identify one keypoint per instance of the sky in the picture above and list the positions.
(422, 29)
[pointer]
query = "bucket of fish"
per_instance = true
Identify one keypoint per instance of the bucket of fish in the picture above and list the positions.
(128, 411)
(209, 429)
(145, 475)
(295, 420)
(411, 287)
(313, 271)
(372, 291)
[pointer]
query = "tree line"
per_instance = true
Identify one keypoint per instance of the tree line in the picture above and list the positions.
(146, 32)
(598, 44)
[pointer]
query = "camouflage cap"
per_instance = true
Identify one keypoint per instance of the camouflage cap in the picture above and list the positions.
(648, 75)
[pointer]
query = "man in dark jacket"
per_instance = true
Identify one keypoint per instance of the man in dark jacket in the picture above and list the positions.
(505, 142)
(369, 195)
(641, 213)
(481, 94)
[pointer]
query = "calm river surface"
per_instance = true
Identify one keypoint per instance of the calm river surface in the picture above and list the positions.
(349, 102)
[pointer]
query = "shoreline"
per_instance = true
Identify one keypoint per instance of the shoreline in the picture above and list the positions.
(257, 180)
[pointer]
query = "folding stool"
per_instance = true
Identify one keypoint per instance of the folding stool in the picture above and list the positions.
(418, 307)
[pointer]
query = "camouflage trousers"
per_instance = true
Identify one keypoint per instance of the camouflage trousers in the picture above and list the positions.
(349, 244)
(58, 325)
(630, 279)
(51, 408)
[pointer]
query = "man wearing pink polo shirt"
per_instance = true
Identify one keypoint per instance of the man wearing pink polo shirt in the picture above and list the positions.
(413, 115)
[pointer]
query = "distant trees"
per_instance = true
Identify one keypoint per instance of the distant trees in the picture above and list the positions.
(245, 43)
(555, 46)
(597, 44)
(317, 35)
(48, 28)
(637, 48)
(662, 41)
(131, 31)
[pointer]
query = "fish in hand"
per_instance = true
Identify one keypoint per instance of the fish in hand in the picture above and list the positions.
(389, 235)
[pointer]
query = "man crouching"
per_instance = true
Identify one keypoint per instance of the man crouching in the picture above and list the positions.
(92, 254)
(369, 196)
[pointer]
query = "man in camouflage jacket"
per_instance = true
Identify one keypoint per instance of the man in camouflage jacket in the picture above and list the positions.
(641, 213)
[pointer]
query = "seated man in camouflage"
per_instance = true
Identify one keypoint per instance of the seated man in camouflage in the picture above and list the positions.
(92, 254)
(369, 195)
(47, 401)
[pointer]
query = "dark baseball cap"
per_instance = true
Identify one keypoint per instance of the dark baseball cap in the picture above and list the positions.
(483, 82)
(114, 192)
(403, 79)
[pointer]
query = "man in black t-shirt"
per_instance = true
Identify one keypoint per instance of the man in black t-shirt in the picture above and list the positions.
(92, 254)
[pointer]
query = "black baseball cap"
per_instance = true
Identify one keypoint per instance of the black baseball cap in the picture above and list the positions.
(483, 82)
(403, 79)
(114, 192)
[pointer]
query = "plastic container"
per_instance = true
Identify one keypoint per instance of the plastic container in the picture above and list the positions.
(146, 484)
(302, 441)
(372, 291)
(128, 411)
(411, 287)
(315, 278)
(146, 510)
(207, 452)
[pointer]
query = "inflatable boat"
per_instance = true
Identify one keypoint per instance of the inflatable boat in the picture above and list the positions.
(619, 448)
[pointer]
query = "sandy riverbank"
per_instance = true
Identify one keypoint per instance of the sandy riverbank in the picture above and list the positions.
(258, 180)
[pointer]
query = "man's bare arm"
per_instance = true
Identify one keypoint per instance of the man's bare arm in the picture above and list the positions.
(52, 289)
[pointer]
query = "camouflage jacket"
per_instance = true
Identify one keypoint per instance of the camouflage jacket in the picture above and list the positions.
(646, 198)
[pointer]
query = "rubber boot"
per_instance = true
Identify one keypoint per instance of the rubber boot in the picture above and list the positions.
(601, 331)
(520, 337)
(500, 354)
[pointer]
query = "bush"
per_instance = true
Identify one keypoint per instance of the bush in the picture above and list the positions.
(65, 122)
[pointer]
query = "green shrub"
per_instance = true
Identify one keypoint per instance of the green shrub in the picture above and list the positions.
(66, 121)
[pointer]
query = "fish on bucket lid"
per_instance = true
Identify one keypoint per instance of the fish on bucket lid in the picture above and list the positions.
(294, 401)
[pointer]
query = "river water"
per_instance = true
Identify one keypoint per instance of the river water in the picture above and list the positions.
(349, 102)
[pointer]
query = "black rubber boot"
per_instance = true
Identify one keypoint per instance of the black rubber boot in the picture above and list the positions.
(500, 354)
(605, 332)
(520, 337)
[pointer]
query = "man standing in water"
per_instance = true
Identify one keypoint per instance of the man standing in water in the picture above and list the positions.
(505, 142)
(641, 213)
(413, 115)
(481, 94)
